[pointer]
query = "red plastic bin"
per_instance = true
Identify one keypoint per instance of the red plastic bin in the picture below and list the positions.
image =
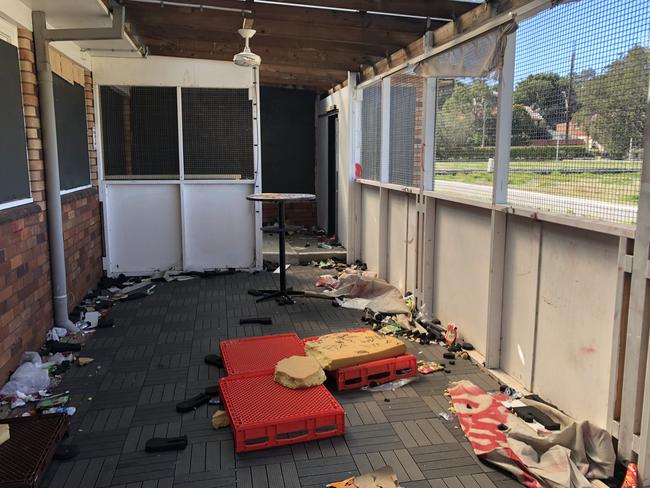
(375, 372)
(259, 353)
(265, 414)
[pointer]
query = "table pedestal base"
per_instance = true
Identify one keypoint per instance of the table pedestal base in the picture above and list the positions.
(283, 297)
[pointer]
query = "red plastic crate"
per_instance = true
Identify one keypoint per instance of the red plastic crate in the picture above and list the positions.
(259, 353)
(265, 414)
(375, 372)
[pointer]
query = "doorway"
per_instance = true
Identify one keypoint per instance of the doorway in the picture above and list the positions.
(332, 171)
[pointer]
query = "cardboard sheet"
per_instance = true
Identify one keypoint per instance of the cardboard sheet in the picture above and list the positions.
(342, 349)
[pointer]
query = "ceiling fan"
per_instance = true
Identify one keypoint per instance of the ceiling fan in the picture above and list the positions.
(247, 58)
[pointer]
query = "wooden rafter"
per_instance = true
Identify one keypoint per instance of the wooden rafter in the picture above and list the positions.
(445, 9)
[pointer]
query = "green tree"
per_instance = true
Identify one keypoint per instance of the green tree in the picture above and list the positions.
(524, 128)
(548, 94)
(613, 103)
(468, 116)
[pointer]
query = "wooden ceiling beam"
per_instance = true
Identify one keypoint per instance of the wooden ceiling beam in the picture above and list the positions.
(169, 17)
(443, 9)
(290, 57)
(215, 39)
(303, 15)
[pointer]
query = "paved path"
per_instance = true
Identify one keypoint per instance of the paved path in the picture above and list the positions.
(569, 205)
(153, 359)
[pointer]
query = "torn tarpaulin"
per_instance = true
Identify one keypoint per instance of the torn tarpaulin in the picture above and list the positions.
(570, 457)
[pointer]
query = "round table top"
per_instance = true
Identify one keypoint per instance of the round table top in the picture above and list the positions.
(281, 197)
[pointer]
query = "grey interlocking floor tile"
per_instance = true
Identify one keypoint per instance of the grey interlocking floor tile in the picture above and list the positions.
(153, 358)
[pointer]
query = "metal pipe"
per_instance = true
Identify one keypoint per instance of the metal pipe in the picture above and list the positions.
(52, 184)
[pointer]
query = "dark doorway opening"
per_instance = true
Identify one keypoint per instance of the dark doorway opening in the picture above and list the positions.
(332, 174)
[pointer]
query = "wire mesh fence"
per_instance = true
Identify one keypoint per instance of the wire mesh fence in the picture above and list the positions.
(465, 136)
(406, 129)
(139, 132)
(371, 132)
(581, 80)
(217, 133)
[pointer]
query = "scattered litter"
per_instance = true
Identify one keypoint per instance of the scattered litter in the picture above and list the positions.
(213, 360)
(449, 355)
(66, 410)
(220, 419)
(451, 334)
(390, 386)
(27, 379)
(65, 452)
(428, 367)
(161, 444)
(214, 401)
(4, 433)
(256, 320)
(322, 245)
(511, 392)
(83, 361)
(447, 416)
(192, 403)
(52, 402)
(466, 346)
(277, 270)
(631, 476)
(381, 478)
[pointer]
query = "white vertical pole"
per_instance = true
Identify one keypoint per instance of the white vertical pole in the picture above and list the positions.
(354, 188)
(429, 128)
(635, 401)
(99, 142)
(257, 162)
(384, 167)
(499, 218)
(181, 176)
(504, 123)
(384, 177)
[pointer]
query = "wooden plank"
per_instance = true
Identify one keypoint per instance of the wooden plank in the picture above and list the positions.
(425, 8)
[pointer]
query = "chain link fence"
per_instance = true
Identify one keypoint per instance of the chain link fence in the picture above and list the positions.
(581, 82)
(371, 132)
(406, 129)
(465, 135)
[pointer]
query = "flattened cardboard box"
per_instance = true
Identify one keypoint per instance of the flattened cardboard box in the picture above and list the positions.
(342, 349)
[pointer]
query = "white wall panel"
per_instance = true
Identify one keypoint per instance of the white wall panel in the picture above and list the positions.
(217, 226)
(397, 236)
(461, 268)
(576, 309)
(370, 227)
(143, 227)
(520, 297)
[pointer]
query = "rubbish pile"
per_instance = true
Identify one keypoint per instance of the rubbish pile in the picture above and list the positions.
(535, 442)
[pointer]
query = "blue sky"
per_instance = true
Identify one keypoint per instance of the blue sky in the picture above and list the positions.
(601, 30)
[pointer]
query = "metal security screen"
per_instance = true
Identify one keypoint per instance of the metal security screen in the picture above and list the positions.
(465, 135)
(371, 132)
(71, 134)
(217, 133)
(14, 174)
(581, 82)
(406, 104)
(139, 132)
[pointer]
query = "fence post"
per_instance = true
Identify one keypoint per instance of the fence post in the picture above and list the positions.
(635, 401)
(499, 197)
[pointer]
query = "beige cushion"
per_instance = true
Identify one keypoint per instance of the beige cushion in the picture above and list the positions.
(298, 372)
(342, 349)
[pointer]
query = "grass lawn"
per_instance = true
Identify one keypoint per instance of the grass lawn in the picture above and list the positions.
(622, 188)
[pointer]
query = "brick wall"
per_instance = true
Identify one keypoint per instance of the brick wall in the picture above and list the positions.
(299, 213)
(25, 287)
